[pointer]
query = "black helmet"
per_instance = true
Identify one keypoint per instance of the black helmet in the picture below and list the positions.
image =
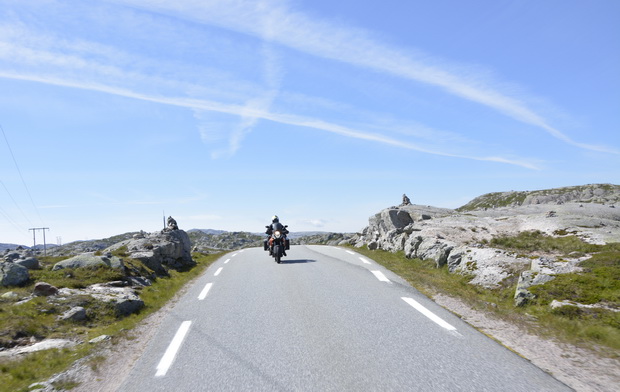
(275, 219)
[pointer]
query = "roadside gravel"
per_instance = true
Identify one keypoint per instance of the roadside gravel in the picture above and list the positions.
(580, 369)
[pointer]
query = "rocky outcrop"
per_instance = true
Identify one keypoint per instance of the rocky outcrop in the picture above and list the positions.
(331, 239)
(23, 257)
(460, 239)
(593, 193)
(441, 235)
(159, 251)
(78, 247)
(124, 299)
(208, 240)
(89, 260)
(12, 274)
(542, 270)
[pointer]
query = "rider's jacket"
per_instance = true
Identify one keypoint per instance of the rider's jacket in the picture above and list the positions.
(276, 226)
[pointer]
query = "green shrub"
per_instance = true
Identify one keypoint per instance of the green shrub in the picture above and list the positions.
(537, 241)
(76, 278)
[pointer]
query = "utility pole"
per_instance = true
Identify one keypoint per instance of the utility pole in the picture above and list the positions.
(34, 238)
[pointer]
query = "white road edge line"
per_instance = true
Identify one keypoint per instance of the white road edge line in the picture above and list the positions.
(171, 352)
(416, 305)
(379, 275)
(364, 260)
(227, 260)
(218, 271)
(203, 293)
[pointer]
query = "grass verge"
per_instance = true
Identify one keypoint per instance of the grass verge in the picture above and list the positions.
(38, 319)
(598, 283)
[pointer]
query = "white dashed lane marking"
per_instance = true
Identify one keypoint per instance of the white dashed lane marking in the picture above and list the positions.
(417, 306)
(379, 275)
(218, 271)
(171, 352)
(205, 291)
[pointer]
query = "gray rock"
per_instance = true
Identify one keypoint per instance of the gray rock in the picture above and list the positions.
(42, 386)
(12, 274)
(390, 219)
(552, 267)
(532, 278)
(99, 339)
(46, 344)
(139, 281)
(125, 299)
(89, 260)
(160, 251)
(9, 295)
(523, 297)
(434, 249)
(29, 262)
(411, 246)
(12, 256)
(42, 289)
(558, 304)
(455, 257)
(528, 279)
(76, 313)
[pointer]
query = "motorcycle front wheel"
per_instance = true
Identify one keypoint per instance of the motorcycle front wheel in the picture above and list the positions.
(277, 254)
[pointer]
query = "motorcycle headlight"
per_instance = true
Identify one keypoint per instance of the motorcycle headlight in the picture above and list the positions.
(277, 234)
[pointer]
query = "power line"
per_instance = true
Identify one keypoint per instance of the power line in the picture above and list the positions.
(20, 173)
(16, 205)
(16, 225)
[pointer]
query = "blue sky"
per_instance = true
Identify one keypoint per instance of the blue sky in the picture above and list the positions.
(223, 113)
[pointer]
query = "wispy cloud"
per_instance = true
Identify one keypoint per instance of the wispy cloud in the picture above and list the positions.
(256, 113)
(318, 223)
(272, 75)
(96, 67)
(356, 47)
(201, 217)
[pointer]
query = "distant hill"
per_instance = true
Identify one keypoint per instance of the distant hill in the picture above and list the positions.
(592, 193)
(4, 247)
(223, 240)
(205, 239)
(207, 231)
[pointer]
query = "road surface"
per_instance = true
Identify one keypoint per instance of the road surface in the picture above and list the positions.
(326, 319)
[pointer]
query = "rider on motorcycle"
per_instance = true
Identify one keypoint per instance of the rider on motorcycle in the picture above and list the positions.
(275, 225)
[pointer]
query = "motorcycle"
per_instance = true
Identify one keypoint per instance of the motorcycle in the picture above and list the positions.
(277, 243)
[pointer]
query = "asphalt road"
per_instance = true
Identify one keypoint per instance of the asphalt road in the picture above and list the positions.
(326, 319)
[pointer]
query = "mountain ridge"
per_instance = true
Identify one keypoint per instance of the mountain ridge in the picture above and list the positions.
(589, 193)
